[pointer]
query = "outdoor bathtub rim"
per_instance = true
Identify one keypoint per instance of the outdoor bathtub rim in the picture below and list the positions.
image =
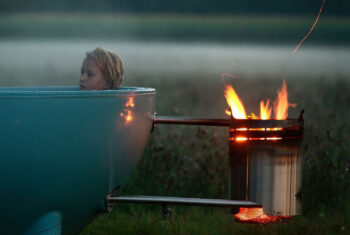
(71, 92)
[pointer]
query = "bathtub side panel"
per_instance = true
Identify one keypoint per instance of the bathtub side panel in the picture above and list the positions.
(66, 154)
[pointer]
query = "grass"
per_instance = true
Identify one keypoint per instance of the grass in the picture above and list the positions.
(192, 161)
(197, 221)
(236, 28)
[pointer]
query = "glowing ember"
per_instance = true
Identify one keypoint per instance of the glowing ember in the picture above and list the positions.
(273, 138)
(280, 107)
(242, 129)
(241, 138)
(257, 215)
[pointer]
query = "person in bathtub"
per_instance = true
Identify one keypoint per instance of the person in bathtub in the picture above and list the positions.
(101, 70)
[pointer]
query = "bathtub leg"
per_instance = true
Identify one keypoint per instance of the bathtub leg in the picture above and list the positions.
(167, 211)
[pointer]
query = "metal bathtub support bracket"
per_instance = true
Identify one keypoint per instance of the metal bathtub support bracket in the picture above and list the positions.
(193, 121)
(165, 201)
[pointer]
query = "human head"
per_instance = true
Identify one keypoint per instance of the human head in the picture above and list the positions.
(101, 70)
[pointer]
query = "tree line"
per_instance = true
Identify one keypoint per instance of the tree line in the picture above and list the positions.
(293, 7)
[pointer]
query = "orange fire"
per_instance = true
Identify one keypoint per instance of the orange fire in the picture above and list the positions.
(280, 106)
(265, 110)
(257, 215)
(235, 103)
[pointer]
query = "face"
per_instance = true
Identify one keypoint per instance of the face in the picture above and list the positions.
(91, 77)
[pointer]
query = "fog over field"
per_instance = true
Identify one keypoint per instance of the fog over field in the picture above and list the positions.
(50, 62)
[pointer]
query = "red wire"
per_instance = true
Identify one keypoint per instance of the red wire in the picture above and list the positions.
(312, 28)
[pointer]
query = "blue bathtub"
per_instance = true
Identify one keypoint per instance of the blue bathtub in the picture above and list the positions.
(62, 151)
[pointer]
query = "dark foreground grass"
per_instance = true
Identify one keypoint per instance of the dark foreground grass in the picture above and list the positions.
(192, 161)
(213, 221)
(269, 29)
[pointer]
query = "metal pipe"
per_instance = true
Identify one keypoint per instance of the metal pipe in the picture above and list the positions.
(253, 123)
(191, 121)
(182, 201)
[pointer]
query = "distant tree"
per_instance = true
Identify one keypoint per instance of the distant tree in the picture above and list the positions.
(332, 7)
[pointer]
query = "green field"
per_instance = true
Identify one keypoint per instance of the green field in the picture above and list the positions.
(192, 161)
(236, 28)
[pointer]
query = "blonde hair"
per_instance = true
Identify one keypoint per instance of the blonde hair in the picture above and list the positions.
(110, 64)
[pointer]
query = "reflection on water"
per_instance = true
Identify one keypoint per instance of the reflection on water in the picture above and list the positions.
(25, 62)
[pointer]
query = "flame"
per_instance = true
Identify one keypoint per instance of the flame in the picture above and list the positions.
(235, 103)
(265, 110)
(257, 215)
(280, 106)
(253, 116)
